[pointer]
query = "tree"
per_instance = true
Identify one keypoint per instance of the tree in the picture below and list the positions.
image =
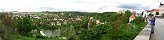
(24, 26)
(127, 15)
(128, 12)
(7, 24)
(95, 33)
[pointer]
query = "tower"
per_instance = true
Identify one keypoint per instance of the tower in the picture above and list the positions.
(161, 9)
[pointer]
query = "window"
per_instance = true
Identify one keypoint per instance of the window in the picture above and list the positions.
(157, 13)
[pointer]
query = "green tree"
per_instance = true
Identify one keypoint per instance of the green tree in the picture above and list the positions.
(24, 26)
(7, 24)
(127, 15)
(94, 33)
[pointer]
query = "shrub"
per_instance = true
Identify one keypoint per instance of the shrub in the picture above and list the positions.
(71, 38)
(138, 20)
(117, 23)
(113, 17)
(40, 36)
(24, 26)
(93, 34)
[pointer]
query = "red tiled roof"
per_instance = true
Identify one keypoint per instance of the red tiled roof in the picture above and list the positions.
(133, 16)
(156, 10)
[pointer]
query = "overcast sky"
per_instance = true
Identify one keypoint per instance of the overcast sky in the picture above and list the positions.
(78, 5)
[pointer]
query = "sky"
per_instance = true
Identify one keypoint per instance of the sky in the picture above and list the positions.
(78, 5)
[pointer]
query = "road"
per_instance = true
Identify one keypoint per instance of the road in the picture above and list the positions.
(158, 30)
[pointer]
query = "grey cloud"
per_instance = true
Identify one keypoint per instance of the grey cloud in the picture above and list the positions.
(135, 6)
(146, 7)
(131, 6)
(48, 8)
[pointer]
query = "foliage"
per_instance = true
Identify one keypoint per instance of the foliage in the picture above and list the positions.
(127, 15)
(93, 34)
(40, 36)
(113, 17)
(138, 20)
(7, 24)
(114, 28)
(24, 26)
(117, 23)
(16, 37)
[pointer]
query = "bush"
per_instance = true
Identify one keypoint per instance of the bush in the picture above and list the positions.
(113, 17)
(71, 38)
(123, 33)
(138, 20)
(40, 36)
(117, 23)
(24, 26)
(93, 34)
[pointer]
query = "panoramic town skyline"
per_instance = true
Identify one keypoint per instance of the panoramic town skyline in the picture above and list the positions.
(79, 5)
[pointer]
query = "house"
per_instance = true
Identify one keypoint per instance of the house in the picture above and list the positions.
(132, 17)
(58, 23)
(158, 12)
(78, 19)
(97, 22)
(52, 23)
(91, 18)
(155, 12)
(161, 9)
(36, 18)
(65, 22)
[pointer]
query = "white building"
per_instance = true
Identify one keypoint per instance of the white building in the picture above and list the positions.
(161, 9)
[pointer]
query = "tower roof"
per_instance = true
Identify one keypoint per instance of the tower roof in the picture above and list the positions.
(161, 4)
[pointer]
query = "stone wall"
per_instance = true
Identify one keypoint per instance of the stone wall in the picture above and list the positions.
(50, 33)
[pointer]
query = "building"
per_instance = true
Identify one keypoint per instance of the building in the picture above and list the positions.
(155, 12)
(132, 17)
(161, 9)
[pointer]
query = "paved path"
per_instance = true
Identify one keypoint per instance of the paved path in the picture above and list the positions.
(158, 30)
(0, 38)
